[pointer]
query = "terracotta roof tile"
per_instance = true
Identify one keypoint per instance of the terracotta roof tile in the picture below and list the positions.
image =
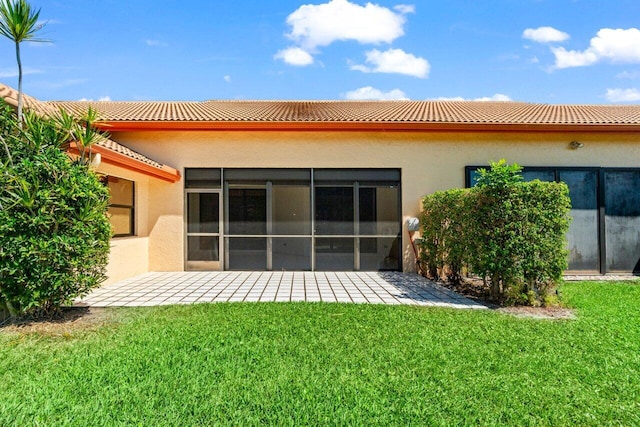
(119, 148)
(455, 112)
(10, 95)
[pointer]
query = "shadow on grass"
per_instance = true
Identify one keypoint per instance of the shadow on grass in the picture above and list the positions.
(65, 322)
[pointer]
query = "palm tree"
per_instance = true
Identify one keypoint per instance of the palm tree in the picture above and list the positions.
(18, 23)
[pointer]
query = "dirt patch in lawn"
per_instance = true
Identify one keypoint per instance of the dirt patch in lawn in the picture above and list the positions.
(70, 321)
(476, 290)
(550, 313)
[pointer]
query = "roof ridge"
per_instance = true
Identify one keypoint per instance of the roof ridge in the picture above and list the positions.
(335, 101)
(446, 112)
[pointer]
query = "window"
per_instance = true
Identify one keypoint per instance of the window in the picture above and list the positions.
(121, 205)
(605, 207)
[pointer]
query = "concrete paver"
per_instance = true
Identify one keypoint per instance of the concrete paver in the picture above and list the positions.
(161, 288)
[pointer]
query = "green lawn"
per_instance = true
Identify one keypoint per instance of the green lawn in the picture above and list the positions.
(301, 364)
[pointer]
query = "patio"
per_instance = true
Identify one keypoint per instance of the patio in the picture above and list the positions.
(162, 288)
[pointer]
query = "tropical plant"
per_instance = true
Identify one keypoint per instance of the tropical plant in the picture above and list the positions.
(54, 229)
(18, 23)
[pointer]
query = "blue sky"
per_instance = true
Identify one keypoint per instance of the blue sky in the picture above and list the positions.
(548, 51)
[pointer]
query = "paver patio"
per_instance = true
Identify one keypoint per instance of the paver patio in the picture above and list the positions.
(162, 288)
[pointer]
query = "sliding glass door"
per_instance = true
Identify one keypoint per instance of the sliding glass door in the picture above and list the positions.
(268, 219)
(246, 227)
(622, 220)
(379, 227)
(334, 228)
(290, 226)
(357, 219)
(582, 237)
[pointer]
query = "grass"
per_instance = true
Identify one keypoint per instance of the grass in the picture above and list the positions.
(299, 363)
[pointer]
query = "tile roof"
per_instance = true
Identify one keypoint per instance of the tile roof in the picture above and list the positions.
(10, 95)
(111, 151)
(121, 149)
(426, 112)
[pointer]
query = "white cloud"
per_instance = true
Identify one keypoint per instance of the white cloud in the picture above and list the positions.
(323, 24)
(394, 61)
(227, 78)
(615, 45)
(623, 95)
(6, 73)
(405, 8)
(496, 97)
(295, 56)
(572, 58)
(101, 99)
(545, 35)
(371, 93)
(155, 43)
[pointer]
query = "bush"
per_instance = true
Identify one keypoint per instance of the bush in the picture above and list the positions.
(443, 239)
(54, 229)
(508, 232)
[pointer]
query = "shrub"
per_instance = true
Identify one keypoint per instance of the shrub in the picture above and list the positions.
(443, 239)
(546, 221)
(508, 232)
(54, 230)
(500, 177)
(496, 226)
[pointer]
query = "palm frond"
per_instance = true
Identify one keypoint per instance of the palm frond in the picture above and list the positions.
(18, 22)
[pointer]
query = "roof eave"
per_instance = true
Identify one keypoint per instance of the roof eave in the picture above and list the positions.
(378, 126)
(114, 158)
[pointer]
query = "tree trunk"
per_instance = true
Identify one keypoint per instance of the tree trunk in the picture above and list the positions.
(20, 101)
(7, 308)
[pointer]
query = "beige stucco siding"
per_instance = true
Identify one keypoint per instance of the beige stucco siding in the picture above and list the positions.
(129, 256)
(429, 162)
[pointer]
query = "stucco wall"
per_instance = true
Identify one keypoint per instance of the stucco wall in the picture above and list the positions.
(429, 162)
(129, 256)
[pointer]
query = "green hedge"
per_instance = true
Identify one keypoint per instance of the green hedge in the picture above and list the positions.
(444, 246)
(54, 229)
(509, 233)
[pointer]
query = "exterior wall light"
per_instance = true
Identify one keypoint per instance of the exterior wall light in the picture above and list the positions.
(413, 224)
(96, 159)
(574, 145)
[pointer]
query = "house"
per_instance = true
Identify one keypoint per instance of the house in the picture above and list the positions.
(328, 185)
